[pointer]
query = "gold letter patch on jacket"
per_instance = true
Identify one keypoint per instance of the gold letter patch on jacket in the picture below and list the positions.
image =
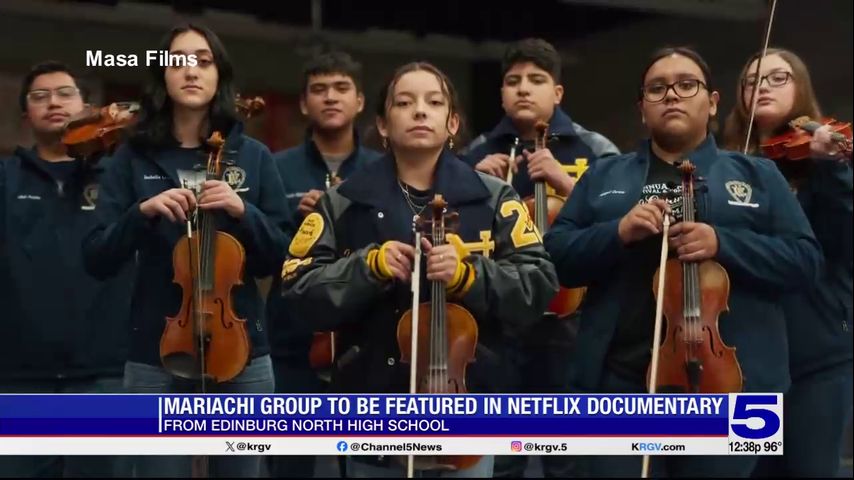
(524, 231)
(309, 232)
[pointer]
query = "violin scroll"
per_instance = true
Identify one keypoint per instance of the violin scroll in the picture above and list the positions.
(249, 107)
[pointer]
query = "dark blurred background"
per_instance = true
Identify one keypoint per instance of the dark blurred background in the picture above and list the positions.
(604, 43)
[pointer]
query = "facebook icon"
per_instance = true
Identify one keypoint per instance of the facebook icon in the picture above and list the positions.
(342, 446)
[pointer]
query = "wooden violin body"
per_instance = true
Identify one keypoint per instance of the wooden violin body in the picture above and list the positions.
(206, 340)
(96, 130)
(692, 358)
(461, 342)
(692, 352)
(321, 354)
(450, 378)
(99, 130)
(795, 143)
(206, 337)
(567, 300)
(441, 346)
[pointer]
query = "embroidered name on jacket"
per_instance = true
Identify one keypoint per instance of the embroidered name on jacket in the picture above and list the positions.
(741, 193)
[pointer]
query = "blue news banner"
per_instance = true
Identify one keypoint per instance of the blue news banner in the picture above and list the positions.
(661, 424)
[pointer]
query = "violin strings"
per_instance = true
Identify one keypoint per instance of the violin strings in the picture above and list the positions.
(443, 325)
(202, 241)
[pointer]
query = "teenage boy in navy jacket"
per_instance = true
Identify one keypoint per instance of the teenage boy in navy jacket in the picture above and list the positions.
(331, 99)
(65, 331)
(530, 92)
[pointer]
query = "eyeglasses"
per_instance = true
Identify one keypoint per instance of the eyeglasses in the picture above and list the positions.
(774, 79)
(42, 96)
(685, 88)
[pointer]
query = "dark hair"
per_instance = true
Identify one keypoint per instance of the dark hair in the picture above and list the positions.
(330, 63)
(154, 129)
(686, 52)
(448, 90)
(535, 50)
(49, 66)
(735, 128)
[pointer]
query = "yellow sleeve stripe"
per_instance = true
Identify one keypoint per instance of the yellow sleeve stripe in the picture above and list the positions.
(464, 286)
(376, 262)
(458, 277)
(384, 270)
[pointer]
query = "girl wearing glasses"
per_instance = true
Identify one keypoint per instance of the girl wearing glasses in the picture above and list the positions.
(818, 318)
(608, 236)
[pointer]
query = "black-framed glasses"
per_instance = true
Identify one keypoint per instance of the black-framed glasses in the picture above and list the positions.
(774, 79)
(64, 94)
(685, 88)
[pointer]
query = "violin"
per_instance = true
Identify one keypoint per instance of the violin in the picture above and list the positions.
(206, 340)
(443, 346)
(545, 207)
(795, 143)
(99, 130)
(691, 295)
(322, 353)
(96, 130)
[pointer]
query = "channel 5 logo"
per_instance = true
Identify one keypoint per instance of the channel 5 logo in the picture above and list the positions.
(756, 416)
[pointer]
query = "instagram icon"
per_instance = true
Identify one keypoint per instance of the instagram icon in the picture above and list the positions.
(516, 446)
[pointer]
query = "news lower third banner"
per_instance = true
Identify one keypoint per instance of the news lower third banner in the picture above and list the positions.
(390, 424)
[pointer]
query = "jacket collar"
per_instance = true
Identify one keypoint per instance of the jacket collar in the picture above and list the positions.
(231, 147)
(560, 125)
(376, 184)
(315, 155)
(31, 156)
(702, 156)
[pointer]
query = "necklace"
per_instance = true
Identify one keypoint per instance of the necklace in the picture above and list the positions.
(416, 209)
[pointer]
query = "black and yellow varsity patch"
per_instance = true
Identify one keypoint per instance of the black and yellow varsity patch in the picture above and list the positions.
(308, 234)
(524, 231)
(484, 247)
(577, 169)
(291, 265)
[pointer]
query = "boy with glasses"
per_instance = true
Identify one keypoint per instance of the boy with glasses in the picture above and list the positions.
(65, 331)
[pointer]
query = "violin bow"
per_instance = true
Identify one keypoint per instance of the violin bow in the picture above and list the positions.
(753, 97)
(509, 178)
(413, 361)
(656, 336)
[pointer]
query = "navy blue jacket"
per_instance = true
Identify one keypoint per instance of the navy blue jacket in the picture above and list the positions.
(819, 318)
(302, 169)
(567, 141)
(58, 321)
(765, 243)
(122, 230)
